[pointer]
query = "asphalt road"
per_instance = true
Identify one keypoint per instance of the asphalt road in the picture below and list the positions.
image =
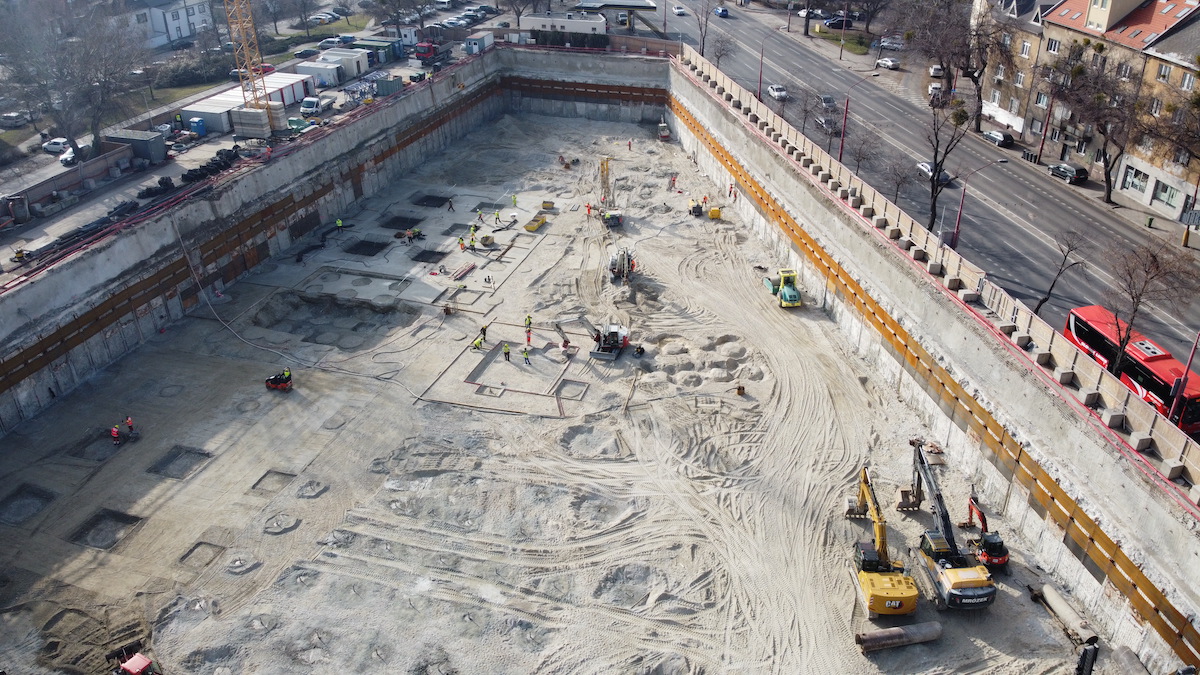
(1013, 211)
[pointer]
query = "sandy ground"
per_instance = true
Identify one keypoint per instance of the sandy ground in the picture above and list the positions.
(415, 506)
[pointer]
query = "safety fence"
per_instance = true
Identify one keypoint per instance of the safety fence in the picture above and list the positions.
(1097, 551)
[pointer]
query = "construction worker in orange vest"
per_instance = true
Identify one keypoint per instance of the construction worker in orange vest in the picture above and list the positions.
(116, 434)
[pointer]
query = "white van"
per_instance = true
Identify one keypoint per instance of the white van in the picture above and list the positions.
(443, 4)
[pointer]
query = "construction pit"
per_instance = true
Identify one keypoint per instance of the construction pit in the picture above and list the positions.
(418, 506)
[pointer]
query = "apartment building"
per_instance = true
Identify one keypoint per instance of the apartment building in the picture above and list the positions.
(164, 21)
(1150, 44)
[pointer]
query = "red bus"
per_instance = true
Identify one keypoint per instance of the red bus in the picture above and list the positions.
(1147, 369)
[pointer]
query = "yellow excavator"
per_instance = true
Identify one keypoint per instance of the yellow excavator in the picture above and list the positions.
(882, 584)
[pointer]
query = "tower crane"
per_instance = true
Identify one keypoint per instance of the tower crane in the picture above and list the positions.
(242, 33)
(882, 584)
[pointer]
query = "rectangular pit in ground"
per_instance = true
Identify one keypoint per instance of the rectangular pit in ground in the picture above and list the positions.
(366, 247)
(201, 554)
(105, 529)
(401, 223)
(273, 481)
(431, 201)
(426, 256)
(24, 503)
(95, 450)
(180, 462)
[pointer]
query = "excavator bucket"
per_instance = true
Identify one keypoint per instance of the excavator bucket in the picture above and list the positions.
(910, 500)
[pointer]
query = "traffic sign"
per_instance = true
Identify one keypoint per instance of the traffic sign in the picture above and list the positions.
(1190, 217)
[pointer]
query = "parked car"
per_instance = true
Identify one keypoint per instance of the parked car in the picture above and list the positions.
(936, 71)
(777, 92)
(69, 158)
(343, 11)
(306, 53)
(679, 10)
(263, 69)
(488, 9)
(934, 89)
(892, 42)
(622, 18)
(926, 170)
(1069, 172)
(348, 39)
(839, 23)
(889, 63)
(722, 12)
(237, 73)
(813, 14)
(55, 146)
(329, 43)
(504, 24)
(1000, 138)
(13, 120)
(828, 124)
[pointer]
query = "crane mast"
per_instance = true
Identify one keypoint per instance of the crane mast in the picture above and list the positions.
(248, 59)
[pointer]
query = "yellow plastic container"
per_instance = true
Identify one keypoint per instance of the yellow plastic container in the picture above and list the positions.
(714, 213)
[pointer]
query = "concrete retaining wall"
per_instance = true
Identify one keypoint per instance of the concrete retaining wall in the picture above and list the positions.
(785, 186)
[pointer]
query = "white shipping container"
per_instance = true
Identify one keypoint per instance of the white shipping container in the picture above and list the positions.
(327, 74)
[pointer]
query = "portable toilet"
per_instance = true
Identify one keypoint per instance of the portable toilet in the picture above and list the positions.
(196, 124)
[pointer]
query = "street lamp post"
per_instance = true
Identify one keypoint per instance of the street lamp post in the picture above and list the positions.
(958, 220)
(761, 51)
(846, 113)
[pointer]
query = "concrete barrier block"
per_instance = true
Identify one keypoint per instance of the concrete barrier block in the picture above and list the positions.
(968, 295)
(835, 185)
(934, 268)
(856, 202)
(954, 283)
(762, 125)
(720, 90)
(1113, 419)
(754, 118)
(867, 211)
(905, 243)
(1090, 397)
(1022, 339)
(777, 137)
(917, 253)
(1008, 328)
(1064, 376)
(805, 161)
(824, 176)
(728, 97)
(843, 193)
(1043, 358)
(880, 222)
(1141, 441)
(705, 77)
(815, 169)
(1173, 468)
(893, 233)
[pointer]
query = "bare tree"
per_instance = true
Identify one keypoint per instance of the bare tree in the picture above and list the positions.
(870, 9)
(276, 11)
(722, 46)
(946, 128)
(863, 147)
(704, 14)
(75, 77)
(1092, 86)
(521, 7)
(897, 174)
(1070, 243)
(1151, 273)
(306, 8)
(804, 102)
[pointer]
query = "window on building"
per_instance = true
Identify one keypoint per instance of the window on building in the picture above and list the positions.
(175, 15)
(995, 98)
(1098, 156)
(1164, 72)
(1134, 180)
(178, 31)
(203, 9)
(1081, 147)
(1000, 71)
(1041, 100)
(1177, 115)
(191, 11)
(1020, 82)
(1035, 127)
(1055, 134)
(1165, 193)
(1025, 46)
(1181, 156)
(1187, 82)
(1124, 70)
(1155, 106)
(1013, 105)
(1116, 99)
(1006, 39)
(142, 17)
(1052, 46)
(191, 28)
